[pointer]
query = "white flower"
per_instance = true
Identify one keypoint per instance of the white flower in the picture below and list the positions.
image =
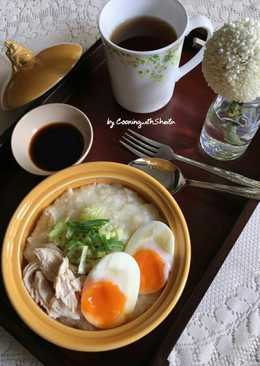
(231, 63)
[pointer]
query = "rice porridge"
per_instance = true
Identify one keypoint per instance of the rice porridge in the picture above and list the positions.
(98, 244)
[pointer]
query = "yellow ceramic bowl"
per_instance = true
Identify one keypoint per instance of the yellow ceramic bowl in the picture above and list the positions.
(23, 222)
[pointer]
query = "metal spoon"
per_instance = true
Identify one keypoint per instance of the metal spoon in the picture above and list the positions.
(169, 175)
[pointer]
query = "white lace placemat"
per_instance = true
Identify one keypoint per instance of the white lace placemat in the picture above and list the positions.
(39, 23)
(225, 329)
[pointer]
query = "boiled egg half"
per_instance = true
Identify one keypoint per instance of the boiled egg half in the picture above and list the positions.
(111, 290)
(152, 246)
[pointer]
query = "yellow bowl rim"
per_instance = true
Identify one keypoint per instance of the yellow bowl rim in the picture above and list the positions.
(6, 272)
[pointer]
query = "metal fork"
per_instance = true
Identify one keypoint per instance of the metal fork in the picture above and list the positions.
(143, 146)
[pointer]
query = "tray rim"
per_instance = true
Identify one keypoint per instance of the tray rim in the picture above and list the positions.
(35, 347)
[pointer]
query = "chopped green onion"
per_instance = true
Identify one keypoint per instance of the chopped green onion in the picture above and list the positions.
(82, 262)
(85, 241)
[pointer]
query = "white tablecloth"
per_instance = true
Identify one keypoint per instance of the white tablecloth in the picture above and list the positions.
(225, 329)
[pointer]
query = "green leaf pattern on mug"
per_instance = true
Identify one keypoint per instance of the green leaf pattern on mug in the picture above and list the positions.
(152, 67)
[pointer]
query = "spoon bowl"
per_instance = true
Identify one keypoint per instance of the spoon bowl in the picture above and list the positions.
(168, 174)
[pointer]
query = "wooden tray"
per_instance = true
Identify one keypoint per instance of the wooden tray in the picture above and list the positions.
(214, 220)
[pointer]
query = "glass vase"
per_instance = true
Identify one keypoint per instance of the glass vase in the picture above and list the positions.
(229, 128)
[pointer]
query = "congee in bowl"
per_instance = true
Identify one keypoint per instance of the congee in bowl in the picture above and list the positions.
(98, 256)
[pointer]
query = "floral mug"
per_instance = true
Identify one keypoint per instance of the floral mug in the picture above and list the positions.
(144, 81)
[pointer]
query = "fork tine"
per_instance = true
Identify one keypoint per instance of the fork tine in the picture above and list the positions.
(153, 143)
(134, 151)
(137, 147)
(140, 143)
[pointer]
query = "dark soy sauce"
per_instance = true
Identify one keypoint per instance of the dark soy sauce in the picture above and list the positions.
(144, 34)
(56, 146)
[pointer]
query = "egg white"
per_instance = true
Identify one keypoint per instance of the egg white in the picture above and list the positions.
(121, 269)
(157, 237)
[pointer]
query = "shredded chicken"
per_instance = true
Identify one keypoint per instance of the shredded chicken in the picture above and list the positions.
(66, 285)
(37, 285)
(44, 290)
(59, 299)
(49, 260)
(34, 242)
(39, 237)
(28, 278)
(58, 309)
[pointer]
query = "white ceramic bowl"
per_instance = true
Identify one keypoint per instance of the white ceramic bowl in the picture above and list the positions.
(39, 117)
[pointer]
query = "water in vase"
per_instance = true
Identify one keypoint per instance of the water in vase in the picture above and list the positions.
(229, 128)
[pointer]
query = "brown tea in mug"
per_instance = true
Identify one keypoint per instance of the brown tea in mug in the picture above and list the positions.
(144, 34)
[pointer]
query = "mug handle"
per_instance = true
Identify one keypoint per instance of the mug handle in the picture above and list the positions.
(198, 21)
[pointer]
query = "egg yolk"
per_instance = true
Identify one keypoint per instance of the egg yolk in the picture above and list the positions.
(102, 303)
(152, 269)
